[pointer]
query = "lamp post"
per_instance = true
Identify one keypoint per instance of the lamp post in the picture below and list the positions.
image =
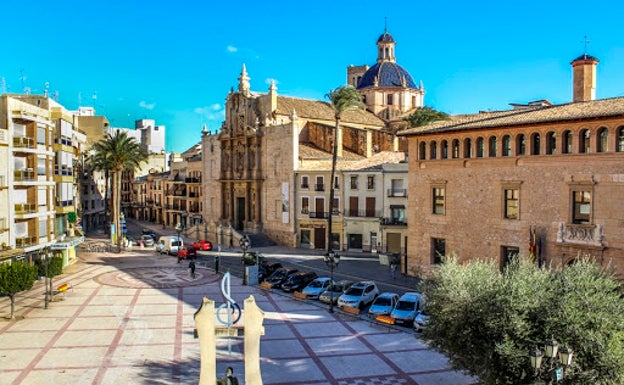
(46, 261)
(551, 364)
(244, 243)
(331, 259)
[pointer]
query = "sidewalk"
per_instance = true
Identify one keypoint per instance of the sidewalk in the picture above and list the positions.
(129, 319)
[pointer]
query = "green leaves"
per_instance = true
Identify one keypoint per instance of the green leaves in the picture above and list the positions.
(344, 98)
(423, 116)
(487, 320)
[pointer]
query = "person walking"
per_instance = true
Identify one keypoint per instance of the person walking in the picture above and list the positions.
(393, 269)
(192, 267)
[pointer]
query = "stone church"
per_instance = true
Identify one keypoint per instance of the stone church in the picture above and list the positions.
(250, 164)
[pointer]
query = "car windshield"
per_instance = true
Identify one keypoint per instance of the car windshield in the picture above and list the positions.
(316, 284)
(354, 291)
(405, 305)
(383, 301)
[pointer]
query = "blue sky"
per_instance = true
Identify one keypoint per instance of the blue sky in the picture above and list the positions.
(176, 61)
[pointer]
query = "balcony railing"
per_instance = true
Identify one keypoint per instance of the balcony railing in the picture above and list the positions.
(64, 141)
(22, 242)
(25, 208)
(319, 187)
(60, 203)
(305, 186)
(393, 222)
(24, 174)
(23, 142)
(400, 192)
(319, 214)
(192, 180)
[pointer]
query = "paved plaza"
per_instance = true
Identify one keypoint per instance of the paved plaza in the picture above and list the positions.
(128, 319)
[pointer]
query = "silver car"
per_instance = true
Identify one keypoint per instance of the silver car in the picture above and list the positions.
(333, 292)
(316, 287)
(406, 309)
(383, 304)
(360, 294)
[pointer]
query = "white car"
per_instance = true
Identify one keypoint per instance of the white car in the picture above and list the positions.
(147, 240)
(383, 304)
(316, 287)
(406, 309)
(359, 294)
(421, 320)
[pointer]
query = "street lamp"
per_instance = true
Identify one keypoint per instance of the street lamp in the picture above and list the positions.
(331, 259)
(557, 358)
(244, 243)
(46, 261)
(180, 225)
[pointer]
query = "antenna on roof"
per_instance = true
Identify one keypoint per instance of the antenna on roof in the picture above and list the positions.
(585, 42)
(45, 89)
(23, 78)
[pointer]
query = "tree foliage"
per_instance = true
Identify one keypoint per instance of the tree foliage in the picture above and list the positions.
(487, 321)
(114, 154)
(424, 115)
(14, 278)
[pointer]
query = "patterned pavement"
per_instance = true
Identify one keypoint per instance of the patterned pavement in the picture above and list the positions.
(129, 320)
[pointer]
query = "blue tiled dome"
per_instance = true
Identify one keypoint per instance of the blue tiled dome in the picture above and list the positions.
(389, 74)
(386, 38)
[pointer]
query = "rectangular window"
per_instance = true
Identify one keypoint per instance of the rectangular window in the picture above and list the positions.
(305, 237)
(581, 207)
(511, 203)
(305, 182)
(336, 206)
(320, 184)
(43, 228)
(507, 255)
(354, 183)
(438, 250)
(370, 182)
(390, 99)
(305, 205)
(439, 201)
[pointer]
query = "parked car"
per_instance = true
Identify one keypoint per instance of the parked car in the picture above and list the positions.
(149, 232)
(334, 291)
(297, 281)
(406, 309)
(316, 287)
(202, 244)
(267, 268)
(169, 244)
(187, 251)
(279, 276)
(147, 240)
(359, 295)
(383, 304)
(421, 320)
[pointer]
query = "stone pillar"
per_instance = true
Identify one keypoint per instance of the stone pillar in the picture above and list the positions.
(253, 330)
(205, 325)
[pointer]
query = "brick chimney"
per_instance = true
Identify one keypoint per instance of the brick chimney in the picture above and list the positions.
(584, 78)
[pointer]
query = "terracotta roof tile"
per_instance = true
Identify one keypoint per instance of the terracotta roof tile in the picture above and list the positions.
(316, 109)
(603, 108)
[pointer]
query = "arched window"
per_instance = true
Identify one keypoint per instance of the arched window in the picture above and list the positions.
(584, 145)
(433, 150)
(422, 153)
(551, 143)
(567, 142)
(603, 143)
(520, 145)
(455, 150)
(444, 149)
(620, 136)
(535, 144)
(480, 148)
(468, 147)
(506, 145)
(492, 147)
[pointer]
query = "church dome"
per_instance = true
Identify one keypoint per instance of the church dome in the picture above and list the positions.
(386, 74)
(385, 38)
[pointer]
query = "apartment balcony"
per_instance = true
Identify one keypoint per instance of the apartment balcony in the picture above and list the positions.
(393, 222)
(63, 141)
(24, 175)
(23, 242)
(319, 215)
(401, 192)
(63, 171)
(363, 213)
(305, 186)
(24, 142)
(192, 180)
(584, 235)
(25, 208)
(319, 187)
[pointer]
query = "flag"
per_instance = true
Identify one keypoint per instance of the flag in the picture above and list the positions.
(532, 244)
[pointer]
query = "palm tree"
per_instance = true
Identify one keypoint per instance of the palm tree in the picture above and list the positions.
(117, 153)
(341, 99)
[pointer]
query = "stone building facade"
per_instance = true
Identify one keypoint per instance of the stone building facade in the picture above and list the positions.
(480, 185)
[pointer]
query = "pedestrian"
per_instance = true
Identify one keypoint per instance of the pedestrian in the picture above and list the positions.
(393, 269)
(192, 267)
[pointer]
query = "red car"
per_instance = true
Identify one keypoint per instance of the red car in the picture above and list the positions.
(186, 252)
(203, 245)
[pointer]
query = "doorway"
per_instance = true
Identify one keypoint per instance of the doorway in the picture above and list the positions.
(240, 213)
(319, 238)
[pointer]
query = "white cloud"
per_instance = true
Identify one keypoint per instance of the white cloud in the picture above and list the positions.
(146, 105)
(211, 112)
(231, 49)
